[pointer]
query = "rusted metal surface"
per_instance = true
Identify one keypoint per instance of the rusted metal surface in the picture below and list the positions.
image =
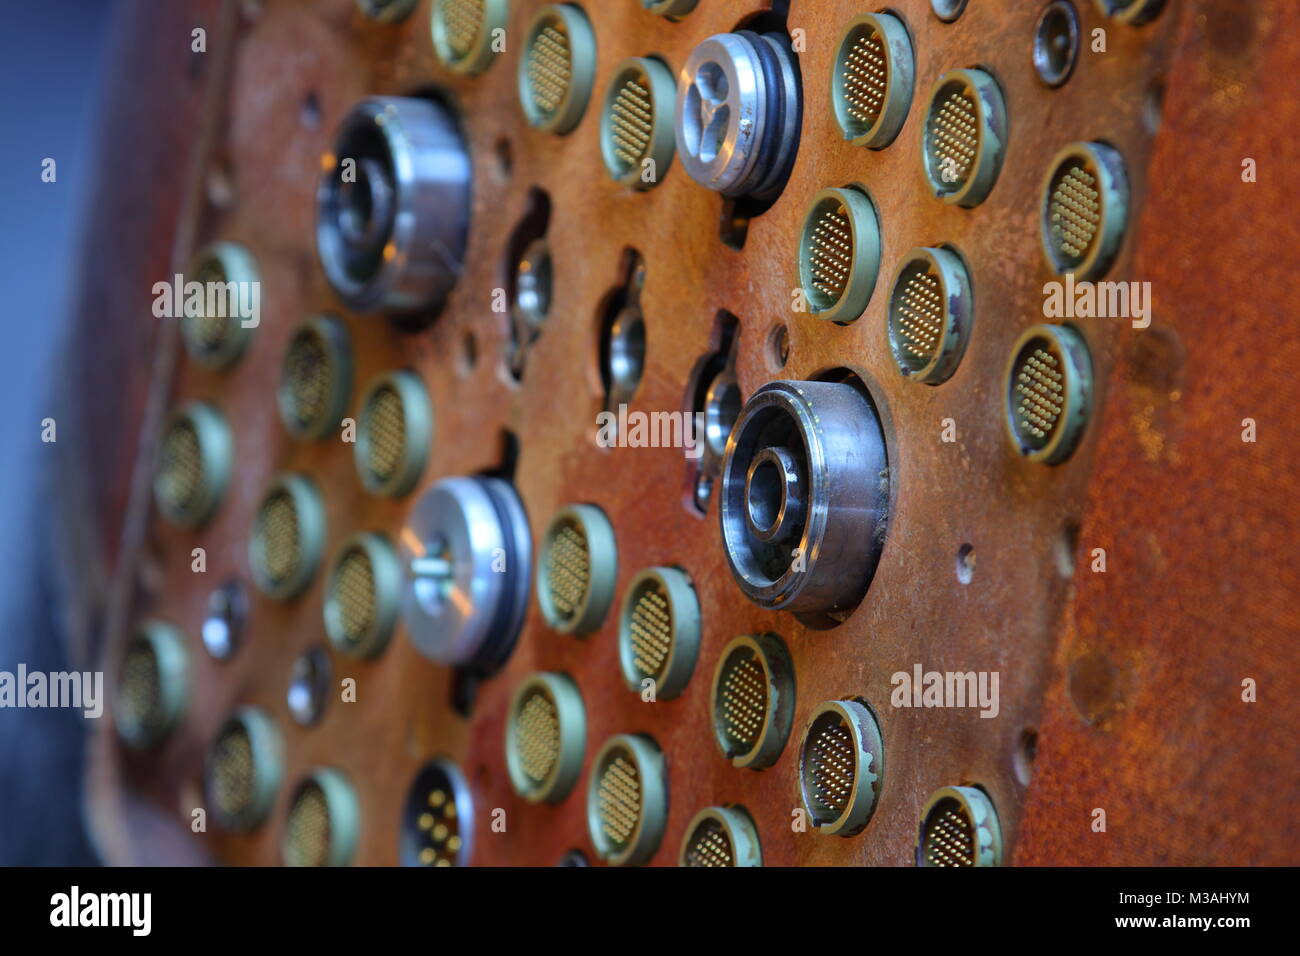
(299, 66)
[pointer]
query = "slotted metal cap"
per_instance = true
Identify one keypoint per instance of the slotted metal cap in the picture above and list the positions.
(243, 770)
(721, 836)
(1085, 209)
(627, 800)
(545, 737)
(1049, 392)
(438, 819)
(637, 137)
(315, 378)
(363, 596)
(872, 79)
(753, 700)
(557, 68)
(394, 431)
(930, 313)
(839, 254)
(577, 569)
(152, 685)
(216, 336)
(288, 537)
(964, 136)
(464, 32)
(659, 631)
(192, 468)
(321, 828)
(959, 827)
(841, 767)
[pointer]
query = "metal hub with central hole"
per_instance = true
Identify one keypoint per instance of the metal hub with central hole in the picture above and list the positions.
(467, 550)
(739, 105)
(393, 205)
(804, 496)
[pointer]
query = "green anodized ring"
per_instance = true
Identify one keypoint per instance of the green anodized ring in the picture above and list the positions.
(343, 813)
(736, 826)
(990, 121)
(220, 262)
(839, 253)
(164, 643)
(269, 569)
(325, 338)
(764, 746)
(1070, 352)
(385, 594)
(558, 68)
(646, 761)
(417, 434)
(977, 809)
(847, 76)
(589, 524)
(679, 623)
(474, 56)
(672, 9)
(561, 700)
(636, 125)
(215, 449)
(952, 286)
(267, 755)
(1105, 167)
(866, 750)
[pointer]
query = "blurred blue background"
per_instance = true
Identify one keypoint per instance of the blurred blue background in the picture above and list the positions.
(52, 61)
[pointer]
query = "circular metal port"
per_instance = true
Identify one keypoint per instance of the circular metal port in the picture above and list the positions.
(636, 127)
(964, 137)
(393, 204)
(930, 313)
(394, 432)
(672, 9)
(753, 700)
(315, 378)
(464, 32)
(558, 68)
(576, 570)
(627, 800)
(363, 595)
(839, 254)
(804, 496)
(533, 279)
(841, 767)
(545, 737)
(288, 537)
(739, 109)
(224, 622)
(1049, 392)
(310, 685)
(438, 818)
(659, 631)
(872, 79)
(1085, 209)
(243, 770)
(152, 685)
(1132, 12)
(213, 330)
(1056, 42)
(324, 816)
(192, 468)
(721, 836)
(466, 537)
(959, 827)
(948, 10)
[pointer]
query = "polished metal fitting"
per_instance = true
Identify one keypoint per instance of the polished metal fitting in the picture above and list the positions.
(468, 554)
(804, 496)
(393, 205)
(739, 106)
